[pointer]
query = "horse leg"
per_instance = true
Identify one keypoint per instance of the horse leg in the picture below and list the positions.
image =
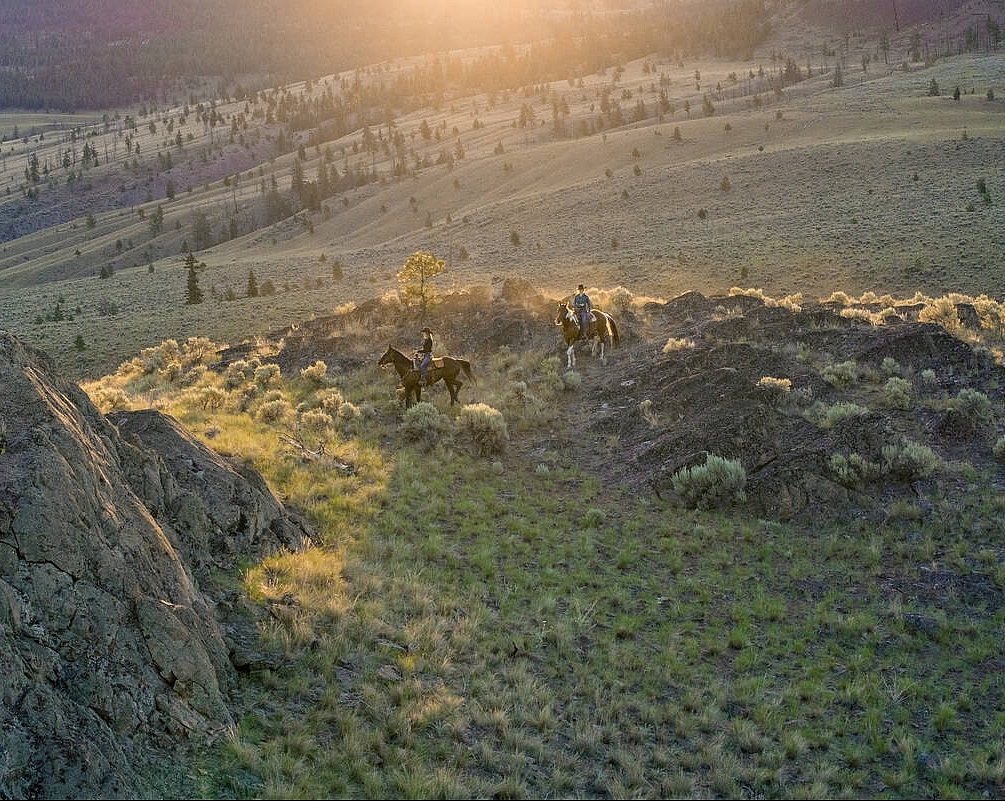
(571, 356)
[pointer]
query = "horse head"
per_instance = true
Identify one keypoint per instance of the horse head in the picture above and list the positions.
(566, 314)
(387, 358)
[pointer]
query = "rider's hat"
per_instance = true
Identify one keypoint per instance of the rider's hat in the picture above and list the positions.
(427, 330)
(580, 287)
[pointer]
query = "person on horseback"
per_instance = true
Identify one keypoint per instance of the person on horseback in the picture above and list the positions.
(425, 352)
(581, 303)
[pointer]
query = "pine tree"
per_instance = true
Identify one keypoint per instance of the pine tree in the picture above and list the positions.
(252, 285)
(415, 276)
(193, 294)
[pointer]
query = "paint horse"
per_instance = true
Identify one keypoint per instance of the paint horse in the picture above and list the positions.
(602, 332)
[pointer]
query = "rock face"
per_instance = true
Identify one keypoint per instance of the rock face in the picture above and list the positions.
(115, 646)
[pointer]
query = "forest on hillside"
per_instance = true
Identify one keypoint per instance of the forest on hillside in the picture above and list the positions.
(64, 56)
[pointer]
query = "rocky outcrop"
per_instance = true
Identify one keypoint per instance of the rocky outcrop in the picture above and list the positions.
(115, 646)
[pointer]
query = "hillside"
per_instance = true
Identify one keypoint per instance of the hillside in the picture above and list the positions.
(873, 185)
(865, 537)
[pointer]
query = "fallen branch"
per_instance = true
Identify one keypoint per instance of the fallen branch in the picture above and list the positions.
(297, 441)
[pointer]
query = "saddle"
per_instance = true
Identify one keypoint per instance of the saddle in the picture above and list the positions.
(436, 363)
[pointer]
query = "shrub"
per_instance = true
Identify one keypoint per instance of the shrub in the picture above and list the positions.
(897, 393)
(941, 311)
(571, 380)
(909, 461)
(550, 377)
(517, 390)
(648, 413)
(621, 299)
(171, 372)
(110, 399)
(330, 400)
(242, 397)
(211, 397)
(349, 411)
(717, 481)
(998, 449)
(885, 315)
(972, 409)
(829, 416)
(673, 344)
(424, 423)
(840, 375)
(929, 379)
(775, 387)
(237, 373)
(854, 470)
(855, 313)
(274, 411)
(890, 366)
(266, 374)
(316, 420)
(486, 426)
(317, 373)
(991, 313)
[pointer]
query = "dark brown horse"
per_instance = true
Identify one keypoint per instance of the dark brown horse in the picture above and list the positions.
(602, 331)
(448, 368)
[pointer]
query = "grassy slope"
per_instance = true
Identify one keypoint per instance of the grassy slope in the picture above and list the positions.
(515, 624)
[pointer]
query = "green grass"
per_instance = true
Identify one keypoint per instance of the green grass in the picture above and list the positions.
(478, 627)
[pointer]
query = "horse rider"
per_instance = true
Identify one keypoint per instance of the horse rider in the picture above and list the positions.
(425, 352)
(581, 303)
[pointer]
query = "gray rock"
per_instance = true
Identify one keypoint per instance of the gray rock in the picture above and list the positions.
(113, 654)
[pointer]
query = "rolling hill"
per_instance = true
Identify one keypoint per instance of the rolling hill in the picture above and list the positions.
(662, 174)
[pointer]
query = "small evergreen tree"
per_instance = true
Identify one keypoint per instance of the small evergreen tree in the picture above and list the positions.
(252, 285)
(193, 294)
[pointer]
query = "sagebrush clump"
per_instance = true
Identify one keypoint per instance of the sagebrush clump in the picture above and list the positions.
(424, 423)
(972, 411)
(486, 427)
(905, 461)
(898, 393)
(717, 481)
(840, 375)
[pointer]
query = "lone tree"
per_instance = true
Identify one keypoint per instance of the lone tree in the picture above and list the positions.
(252, 284)
(193, 294)
(415, 276)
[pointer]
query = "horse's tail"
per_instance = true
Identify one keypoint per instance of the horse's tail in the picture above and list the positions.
(466, 366)
(614, 331)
